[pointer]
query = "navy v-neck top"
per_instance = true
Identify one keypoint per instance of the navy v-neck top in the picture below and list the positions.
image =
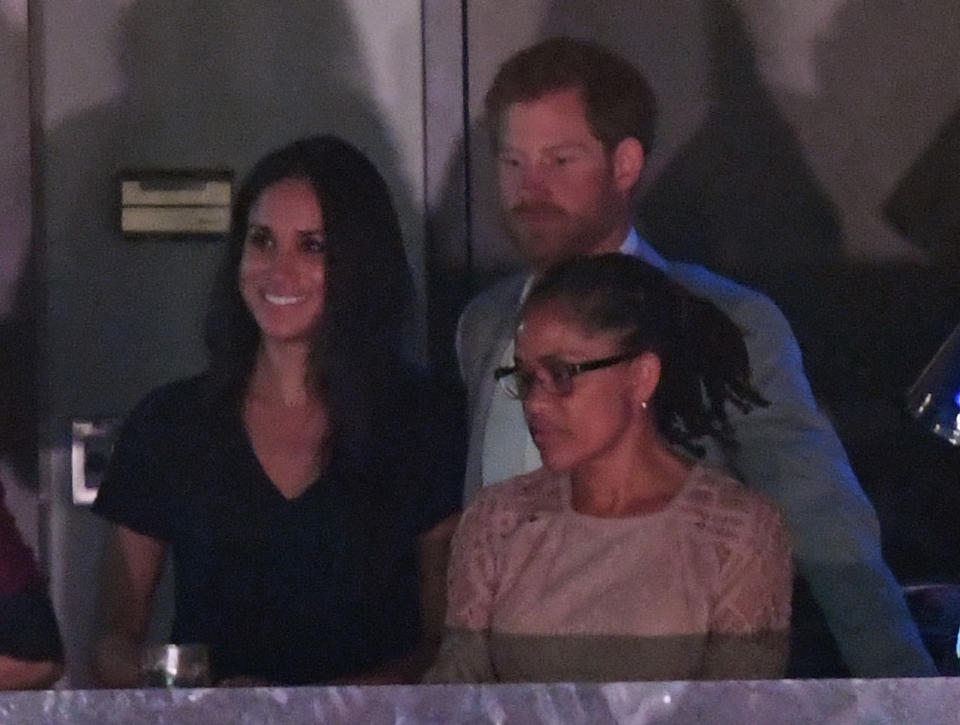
(291, 591)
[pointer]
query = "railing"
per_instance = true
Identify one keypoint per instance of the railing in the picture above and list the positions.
(933, 700)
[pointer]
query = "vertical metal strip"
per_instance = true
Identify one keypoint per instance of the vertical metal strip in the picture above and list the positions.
(449, 239)
(467, 149)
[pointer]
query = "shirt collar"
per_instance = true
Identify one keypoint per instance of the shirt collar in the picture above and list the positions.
(633, 245)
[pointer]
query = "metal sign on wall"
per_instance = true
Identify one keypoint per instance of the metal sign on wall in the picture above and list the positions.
(185, 202)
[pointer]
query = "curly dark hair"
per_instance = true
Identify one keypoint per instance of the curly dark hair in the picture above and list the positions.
(703, 359)
(356, 349)
(618, 99)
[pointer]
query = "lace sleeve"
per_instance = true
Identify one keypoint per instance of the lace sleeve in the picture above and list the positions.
(750, 624)
(472, 576)
(471, 586)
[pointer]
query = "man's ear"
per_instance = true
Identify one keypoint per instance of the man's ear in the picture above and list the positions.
(646, 372)
(628, 161)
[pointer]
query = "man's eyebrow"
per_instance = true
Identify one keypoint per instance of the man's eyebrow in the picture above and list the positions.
(561, 146)
(567, 145)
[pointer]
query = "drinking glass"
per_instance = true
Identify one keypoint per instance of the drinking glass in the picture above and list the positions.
(175, 665)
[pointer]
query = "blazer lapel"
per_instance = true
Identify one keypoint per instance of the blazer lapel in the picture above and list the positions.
(485, 386)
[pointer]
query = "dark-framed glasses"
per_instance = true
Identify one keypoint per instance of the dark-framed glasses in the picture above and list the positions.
(517, 382)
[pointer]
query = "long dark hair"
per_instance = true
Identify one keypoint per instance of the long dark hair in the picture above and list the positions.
(356, 350)
(704, 362)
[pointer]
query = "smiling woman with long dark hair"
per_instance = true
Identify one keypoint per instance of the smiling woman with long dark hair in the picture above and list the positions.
(292, 481)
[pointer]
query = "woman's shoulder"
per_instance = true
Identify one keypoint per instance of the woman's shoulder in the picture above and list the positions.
(722, 509)
(511, 501)
(164, 440)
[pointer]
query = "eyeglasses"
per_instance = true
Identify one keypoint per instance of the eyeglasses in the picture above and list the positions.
(518, 382)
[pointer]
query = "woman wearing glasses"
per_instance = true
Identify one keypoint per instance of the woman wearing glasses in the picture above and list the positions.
(622, 558)
(292, 481)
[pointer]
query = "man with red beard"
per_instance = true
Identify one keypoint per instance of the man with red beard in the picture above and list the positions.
(571, 126)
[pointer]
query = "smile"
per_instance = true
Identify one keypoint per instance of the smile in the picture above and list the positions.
(282, 300)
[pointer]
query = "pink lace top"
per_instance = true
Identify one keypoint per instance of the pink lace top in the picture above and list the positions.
(540, 592)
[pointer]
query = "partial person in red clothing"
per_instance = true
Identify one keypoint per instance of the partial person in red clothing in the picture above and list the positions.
(31, 654)
(624, 557)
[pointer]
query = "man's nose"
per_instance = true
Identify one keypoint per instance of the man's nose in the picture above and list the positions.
(532, 178)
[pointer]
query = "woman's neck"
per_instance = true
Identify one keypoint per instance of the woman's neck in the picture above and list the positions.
(280, 375)
(637, 480)
(287, 424)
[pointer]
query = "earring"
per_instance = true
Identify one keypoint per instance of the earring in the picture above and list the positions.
(643, 404)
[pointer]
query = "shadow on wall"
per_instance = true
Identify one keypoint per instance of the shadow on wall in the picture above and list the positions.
(208, 85)
(739, 195)
(18, 274)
